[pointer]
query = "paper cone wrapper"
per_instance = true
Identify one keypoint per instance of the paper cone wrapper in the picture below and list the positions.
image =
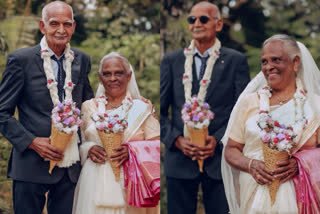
(110, 141)
(59, 140)
(198, 136)
(271, 156)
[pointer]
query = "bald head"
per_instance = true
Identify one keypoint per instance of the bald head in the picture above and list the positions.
(55, 5)
(212, 8)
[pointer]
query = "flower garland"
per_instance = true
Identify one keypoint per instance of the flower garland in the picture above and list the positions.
(51, 81)
(279, 136)
(187, 76)
(65, 116)
(111, 123)
(195, 112)
(61, 121)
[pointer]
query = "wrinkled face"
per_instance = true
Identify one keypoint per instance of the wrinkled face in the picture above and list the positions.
(205, 31)
(114, 77)
(58, 26)
(276, 65)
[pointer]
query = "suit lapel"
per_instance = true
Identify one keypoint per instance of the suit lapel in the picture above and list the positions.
(39, 60)
(217, 71)
(75, 68)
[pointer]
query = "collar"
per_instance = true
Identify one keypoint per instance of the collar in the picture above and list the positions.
(49, 49)
(205, 54)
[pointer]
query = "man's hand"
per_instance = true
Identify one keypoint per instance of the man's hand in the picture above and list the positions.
(42, 146)
(97, 154)
(120, 154)
(187, 147)
(287, 169)
(208, 150)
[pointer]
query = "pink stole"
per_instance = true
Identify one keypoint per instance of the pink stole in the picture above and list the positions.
(142, 173)
(307, 182)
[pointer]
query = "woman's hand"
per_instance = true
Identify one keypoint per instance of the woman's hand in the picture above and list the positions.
(97, 154)
(287, 169)
(120, 154)
(260, 172)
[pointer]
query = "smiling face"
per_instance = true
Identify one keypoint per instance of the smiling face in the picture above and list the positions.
(58, 26)
(201, 32)
(114, 77)
(276, 65)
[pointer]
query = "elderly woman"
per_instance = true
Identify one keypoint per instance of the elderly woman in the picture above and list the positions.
(98, 191)
(287, 91)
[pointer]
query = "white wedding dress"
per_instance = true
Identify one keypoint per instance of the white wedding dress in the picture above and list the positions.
(252, 197)
(97, 192)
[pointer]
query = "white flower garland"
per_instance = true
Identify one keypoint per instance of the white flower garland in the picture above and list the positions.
(187, 76)
(51, 80)
(71, 153)
(278, 135)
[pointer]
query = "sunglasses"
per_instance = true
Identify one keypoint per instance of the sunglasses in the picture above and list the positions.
(203, 19)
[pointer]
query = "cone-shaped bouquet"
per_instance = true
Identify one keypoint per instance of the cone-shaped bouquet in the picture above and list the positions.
(110, 128)
(65, 121)
(198, 136)
(59, 140)
(110, 141)
(197, 115)
(271, 156)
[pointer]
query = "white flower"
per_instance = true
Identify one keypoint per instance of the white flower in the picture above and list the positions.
(95, 116)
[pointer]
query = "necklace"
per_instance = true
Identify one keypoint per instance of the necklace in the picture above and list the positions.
(113, 106)
(187, 76)
(282, 101)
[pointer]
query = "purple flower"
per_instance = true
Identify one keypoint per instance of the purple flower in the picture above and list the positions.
(281, 136)
(206, 105)
(60, 106)
(66, 121)
(187, 105)
(195, 118)
(77, 111)
(282, 126)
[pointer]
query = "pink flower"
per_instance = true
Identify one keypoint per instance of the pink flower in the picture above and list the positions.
(100, 126)
(210, 115)
(186, 118)
(266, 137)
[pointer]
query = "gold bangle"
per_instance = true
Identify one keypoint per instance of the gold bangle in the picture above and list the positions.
(249, 165)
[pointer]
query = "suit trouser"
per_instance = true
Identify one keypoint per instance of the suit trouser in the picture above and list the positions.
(29, 198)
(182, 195)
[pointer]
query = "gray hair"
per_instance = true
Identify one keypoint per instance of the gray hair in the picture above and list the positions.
(45, 9)
(124, 61)
(289, 43)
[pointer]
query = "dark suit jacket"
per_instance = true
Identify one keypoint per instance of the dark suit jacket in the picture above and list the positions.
(24, 85)
(229, 77)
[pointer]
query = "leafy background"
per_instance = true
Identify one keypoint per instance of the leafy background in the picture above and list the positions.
(144, 30)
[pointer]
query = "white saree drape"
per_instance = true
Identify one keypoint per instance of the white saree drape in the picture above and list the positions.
(97, 192)
(244, 195)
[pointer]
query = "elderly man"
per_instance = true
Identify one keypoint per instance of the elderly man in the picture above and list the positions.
(228, 75)
(24, 85)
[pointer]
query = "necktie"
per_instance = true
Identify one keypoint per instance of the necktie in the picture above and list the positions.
(203, 65)
(60, 77)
